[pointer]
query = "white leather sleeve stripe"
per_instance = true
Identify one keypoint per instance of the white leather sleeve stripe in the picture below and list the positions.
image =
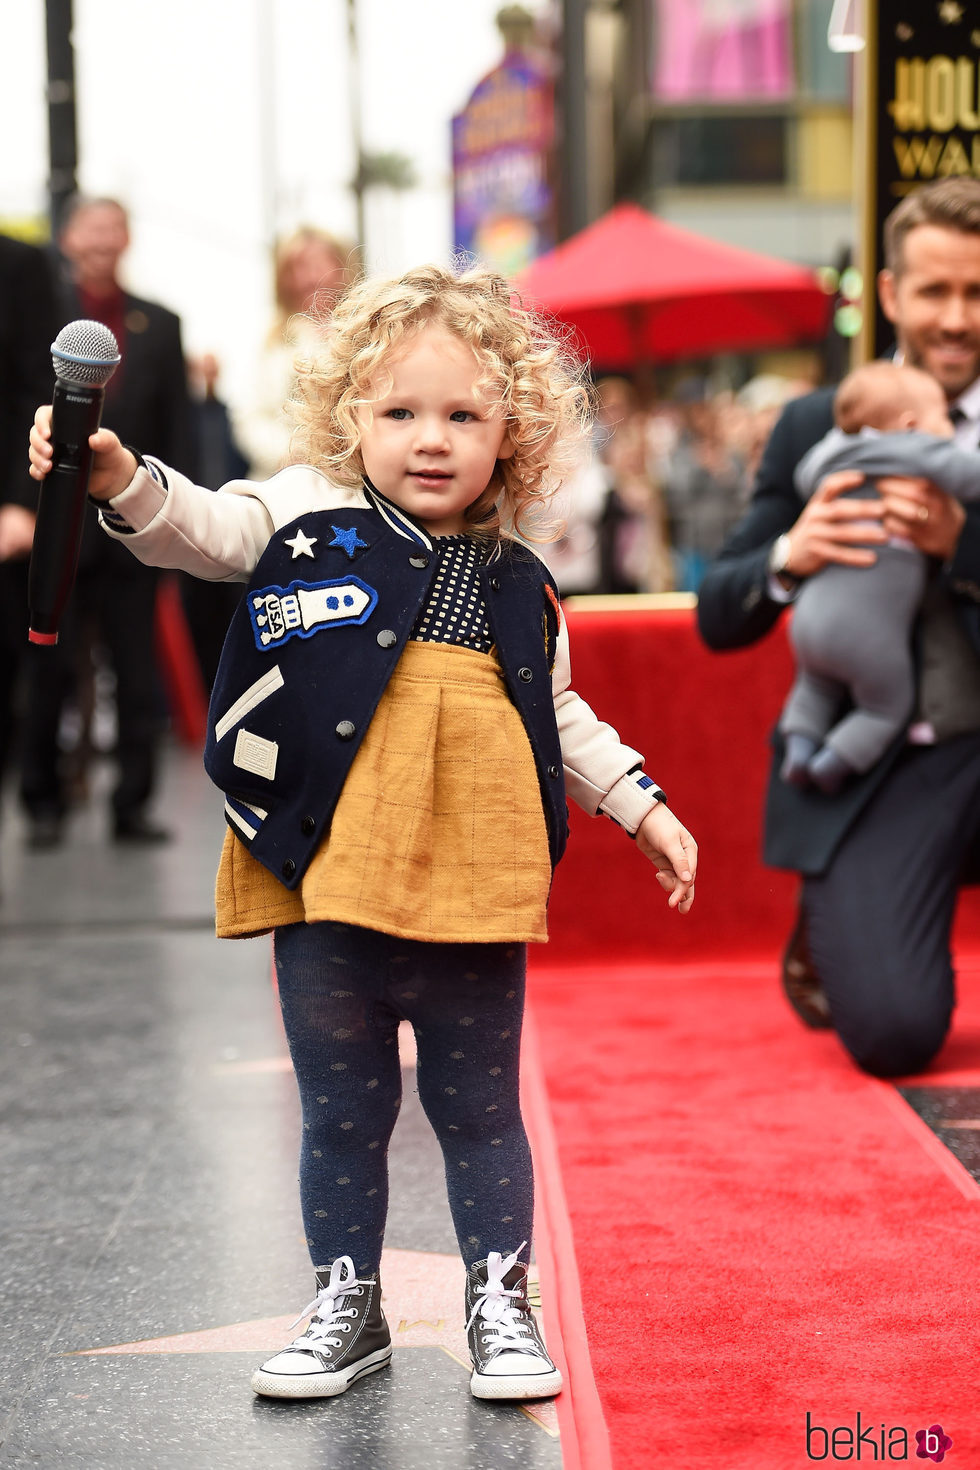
(259, 812)
(254, 694)
(247, 831)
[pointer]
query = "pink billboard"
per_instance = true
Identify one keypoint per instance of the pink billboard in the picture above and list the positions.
(722, 50)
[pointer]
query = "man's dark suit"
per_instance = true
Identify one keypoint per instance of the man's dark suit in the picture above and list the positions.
(28, 321)
(148, 406)
(890, 1018)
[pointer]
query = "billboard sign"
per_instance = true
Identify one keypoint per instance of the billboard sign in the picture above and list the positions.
(503, 165)
(922, 114)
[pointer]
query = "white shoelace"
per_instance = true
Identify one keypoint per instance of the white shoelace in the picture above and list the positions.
(329, 1316)
(506, 1324)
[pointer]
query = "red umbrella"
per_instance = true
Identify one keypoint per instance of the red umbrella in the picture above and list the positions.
(640, 290)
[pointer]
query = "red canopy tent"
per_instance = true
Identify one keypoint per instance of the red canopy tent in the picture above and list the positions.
(638, 289)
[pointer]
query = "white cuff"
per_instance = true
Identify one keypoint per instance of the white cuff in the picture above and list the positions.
(141, 500)
(629, 802)
(779, 593)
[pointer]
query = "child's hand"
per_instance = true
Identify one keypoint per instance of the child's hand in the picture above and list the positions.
(112, 467)
(673, 852)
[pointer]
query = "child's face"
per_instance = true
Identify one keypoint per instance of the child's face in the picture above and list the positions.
(431, 441)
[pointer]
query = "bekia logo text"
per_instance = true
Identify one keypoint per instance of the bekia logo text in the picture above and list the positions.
(869, 1441)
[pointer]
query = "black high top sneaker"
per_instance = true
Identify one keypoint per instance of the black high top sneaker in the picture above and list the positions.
(347, 1338)
(510, 1360)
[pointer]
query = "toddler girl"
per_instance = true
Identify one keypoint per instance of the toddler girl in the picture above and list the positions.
(394, 731)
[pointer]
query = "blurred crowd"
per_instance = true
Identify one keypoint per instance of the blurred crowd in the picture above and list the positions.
(666, 479)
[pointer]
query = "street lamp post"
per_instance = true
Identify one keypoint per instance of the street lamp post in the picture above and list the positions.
(62, 131)
(574, 148)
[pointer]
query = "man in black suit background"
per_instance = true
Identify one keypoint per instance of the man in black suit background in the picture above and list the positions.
(881, 861)
(148, 405)
(28, 322)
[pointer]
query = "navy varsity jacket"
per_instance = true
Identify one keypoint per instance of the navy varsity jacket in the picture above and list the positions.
(310, 651)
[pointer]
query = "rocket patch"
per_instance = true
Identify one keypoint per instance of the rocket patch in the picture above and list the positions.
(305, 608)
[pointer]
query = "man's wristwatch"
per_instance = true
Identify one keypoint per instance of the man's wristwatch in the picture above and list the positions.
(779, 555)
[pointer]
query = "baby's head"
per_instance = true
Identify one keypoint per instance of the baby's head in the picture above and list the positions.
(518, 375)
(891, 398)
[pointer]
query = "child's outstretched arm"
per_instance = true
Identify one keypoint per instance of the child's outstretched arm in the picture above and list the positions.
(673, 852)
(113, 466)
(167, 521)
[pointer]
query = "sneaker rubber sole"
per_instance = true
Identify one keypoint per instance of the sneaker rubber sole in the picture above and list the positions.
(318, 1385)
(511, 1386)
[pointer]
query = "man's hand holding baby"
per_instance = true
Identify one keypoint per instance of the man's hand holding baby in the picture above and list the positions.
(833, 528)
(923, 514)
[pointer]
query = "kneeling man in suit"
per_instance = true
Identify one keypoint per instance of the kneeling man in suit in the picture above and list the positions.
(883, 858)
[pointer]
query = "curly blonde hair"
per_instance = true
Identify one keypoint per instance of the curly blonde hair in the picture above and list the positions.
(529, 373)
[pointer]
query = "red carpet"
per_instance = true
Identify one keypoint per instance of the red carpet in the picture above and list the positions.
(760, 1231)
(702, 720)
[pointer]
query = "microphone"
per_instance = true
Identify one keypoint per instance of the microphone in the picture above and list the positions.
(85, 356)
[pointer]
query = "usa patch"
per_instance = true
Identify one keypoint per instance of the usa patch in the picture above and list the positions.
(305, 608)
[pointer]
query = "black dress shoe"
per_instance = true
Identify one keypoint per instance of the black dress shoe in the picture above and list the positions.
(140, 830)
(801, 982)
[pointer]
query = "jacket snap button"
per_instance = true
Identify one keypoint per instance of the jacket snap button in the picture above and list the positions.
(307, 826)
(525, 675)
(387, 638)
(288, 868)
(553, 772)
(345, 730)
(495, 583)
(419, 561)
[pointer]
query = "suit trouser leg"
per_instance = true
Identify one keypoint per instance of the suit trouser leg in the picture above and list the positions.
(127, 607)
(880, 917)
(13, 645)
(49, 677)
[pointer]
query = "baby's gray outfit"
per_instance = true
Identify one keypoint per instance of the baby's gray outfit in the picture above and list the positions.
(851, 628)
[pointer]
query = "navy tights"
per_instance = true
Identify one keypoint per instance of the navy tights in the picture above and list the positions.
(343, 991)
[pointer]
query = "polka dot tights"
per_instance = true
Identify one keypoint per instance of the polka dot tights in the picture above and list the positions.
(343, 991)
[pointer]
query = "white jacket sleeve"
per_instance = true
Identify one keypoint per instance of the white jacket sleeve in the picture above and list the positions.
(167, 521)
(597, 764)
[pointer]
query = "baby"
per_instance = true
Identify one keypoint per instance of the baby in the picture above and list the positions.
(851, 625)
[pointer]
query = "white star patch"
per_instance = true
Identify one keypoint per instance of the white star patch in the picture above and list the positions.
(302, 544)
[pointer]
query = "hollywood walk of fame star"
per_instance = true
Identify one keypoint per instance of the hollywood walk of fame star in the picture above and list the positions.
(302, 544)
(347, 539)
(423, 1293)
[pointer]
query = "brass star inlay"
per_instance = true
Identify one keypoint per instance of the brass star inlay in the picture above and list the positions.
(423, 1297)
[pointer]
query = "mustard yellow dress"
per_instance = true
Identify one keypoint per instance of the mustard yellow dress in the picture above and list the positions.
(439, 833)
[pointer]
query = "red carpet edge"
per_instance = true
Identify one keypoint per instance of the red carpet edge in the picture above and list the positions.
(923, 1134)
(581, 1422)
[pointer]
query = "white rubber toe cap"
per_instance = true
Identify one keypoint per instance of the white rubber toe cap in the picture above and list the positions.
(293, 1363)
(515, 1365)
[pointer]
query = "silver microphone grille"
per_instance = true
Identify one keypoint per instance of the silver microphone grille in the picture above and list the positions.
(85, 353)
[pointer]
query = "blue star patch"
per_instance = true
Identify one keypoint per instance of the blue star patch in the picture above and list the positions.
(348, 540)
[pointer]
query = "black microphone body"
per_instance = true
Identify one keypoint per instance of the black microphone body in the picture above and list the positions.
(85, 355)
(76, 413)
